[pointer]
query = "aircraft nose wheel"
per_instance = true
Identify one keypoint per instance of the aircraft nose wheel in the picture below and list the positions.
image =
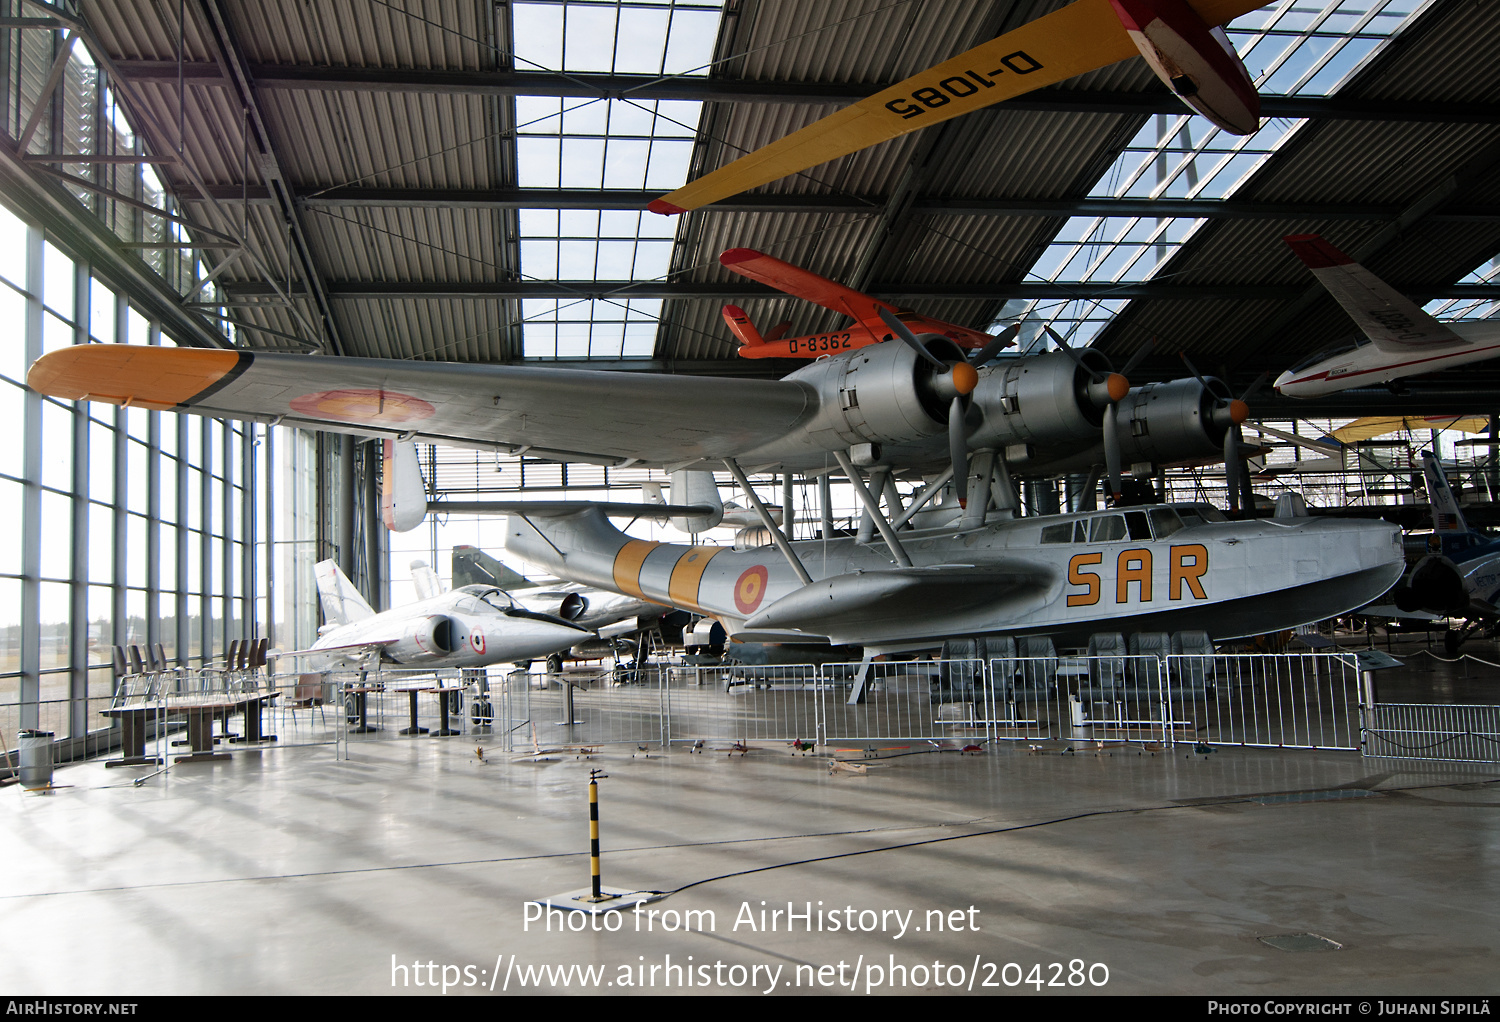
(481, 713)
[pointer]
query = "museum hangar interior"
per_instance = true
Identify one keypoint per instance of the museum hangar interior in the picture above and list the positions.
(466, 183)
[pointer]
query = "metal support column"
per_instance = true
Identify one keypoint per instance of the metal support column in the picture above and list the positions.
(30, 691)
(78, 568)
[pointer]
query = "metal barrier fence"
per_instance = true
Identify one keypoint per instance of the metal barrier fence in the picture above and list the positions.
(1284, 701)
(1287, 700)
(1450, 733)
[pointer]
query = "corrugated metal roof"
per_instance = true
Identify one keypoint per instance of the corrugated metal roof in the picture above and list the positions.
(353, 136)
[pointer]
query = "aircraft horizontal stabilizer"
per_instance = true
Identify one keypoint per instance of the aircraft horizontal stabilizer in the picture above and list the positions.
(1385, 315)
(560, 508)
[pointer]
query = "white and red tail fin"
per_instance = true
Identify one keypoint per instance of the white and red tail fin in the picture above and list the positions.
(1446, 517)
(342, 603)
(741, 327)
(1385, 315)
(403, 493)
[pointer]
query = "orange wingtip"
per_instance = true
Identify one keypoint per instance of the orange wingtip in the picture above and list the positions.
(133, 374)
(730, 257)
(664, 207)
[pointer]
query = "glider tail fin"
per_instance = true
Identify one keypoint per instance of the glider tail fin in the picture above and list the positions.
(1446, 517)
(342, 603)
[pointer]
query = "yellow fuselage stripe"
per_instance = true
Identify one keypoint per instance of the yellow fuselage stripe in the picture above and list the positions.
(687, 576)
(628, 564)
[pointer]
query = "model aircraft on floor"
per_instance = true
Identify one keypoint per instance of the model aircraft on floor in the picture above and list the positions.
(1399, 338)
(1142, 569)
(867, 328)
(1181, 40)
(472, 626)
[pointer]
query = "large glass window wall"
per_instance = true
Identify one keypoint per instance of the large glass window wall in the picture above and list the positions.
(125, 526)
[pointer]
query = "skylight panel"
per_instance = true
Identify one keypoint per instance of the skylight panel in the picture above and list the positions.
(616, 143)
(1487, 272)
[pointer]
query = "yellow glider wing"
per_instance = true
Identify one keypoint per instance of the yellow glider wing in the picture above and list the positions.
(1085, 35)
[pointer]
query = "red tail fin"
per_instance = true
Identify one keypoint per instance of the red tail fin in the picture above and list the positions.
(741, 327)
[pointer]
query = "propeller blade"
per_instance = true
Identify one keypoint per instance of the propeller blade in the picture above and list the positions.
(1250, 390)
(1112, 452)
(1140, 353)
(1231, 468)
(1002, 340)
(1193, 369)
(900, 330)
(1063, 346)
(958, 450)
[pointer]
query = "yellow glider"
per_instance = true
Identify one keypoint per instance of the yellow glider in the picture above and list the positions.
(1081, 37)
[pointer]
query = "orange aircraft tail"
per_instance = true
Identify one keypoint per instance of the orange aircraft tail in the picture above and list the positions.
(741, 327)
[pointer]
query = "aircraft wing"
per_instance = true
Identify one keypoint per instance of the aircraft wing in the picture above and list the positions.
(1386, 316)
(1082, 36)
(368, 646)
(807, 285)
(565, 414)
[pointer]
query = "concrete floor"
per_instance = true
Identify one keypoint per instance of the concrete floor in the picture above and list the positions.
(288, 871)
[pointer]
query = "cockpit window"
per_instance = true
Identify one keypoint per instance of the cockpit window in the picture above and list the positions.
(1107, 528)
(1353, 344)
(1164, 521)
(1058, 533)
(499, 600)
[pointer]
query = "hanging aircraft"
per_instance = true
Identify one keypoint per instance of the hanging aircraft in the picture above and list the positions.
(472, 626)
(867, 328)
(1138, 569)
(1399, 338)
(1181, 40)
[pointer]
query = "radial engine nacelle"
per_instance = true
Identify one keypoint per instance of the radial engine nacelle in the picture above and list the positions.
(428, 638)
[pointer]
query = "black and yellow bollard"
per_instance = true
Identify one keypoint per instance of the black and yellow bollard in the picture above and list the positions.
(598, 893)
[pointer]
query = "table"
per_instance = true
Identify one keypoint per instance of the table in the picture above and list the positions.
(200, 718)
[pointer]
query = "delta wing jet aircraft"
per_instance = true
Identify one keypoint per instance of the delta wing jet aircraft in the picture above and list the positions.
(469, 627)
(1399, 338)
(1142, 569)
(1181, 40)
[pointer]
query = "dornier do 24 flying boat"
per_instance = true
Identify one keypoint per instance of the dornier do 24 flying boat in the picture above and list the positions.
(472, 626)
(911, 402)
(1181, 40)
